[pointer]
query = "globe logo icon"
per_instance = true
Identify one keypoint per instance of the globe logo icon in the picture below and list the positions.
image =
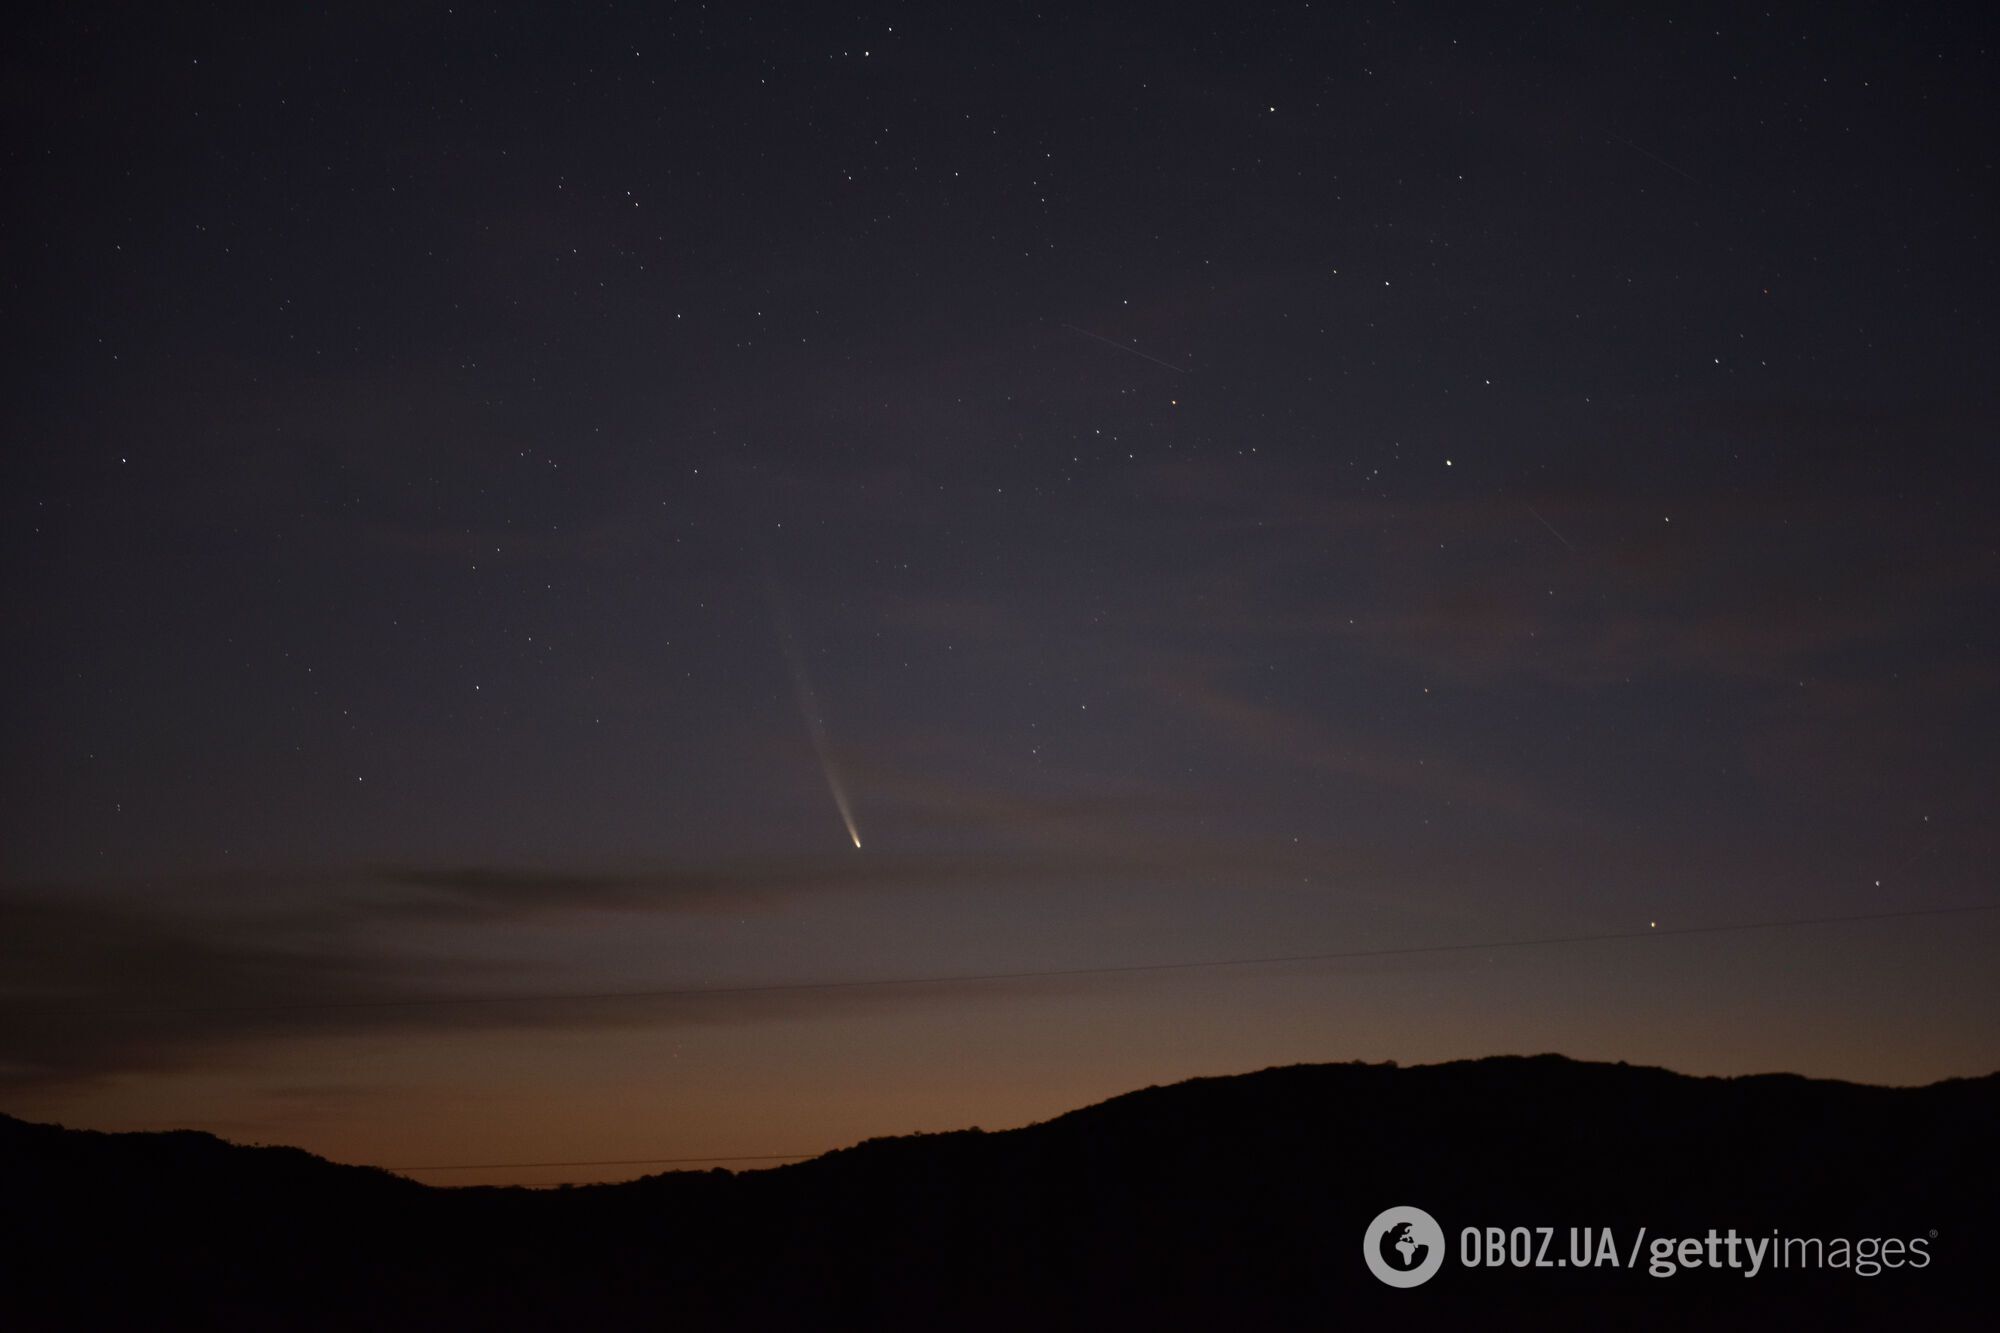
(1403, 1246)
(1403, 1237)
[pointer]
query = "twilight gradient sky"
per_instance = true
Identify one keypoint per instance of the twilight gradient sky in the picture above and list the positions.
(1237, 480)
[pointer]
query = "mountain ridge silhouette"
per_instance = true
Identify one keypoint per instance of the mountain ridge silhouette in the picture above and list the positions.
(1240, 1199)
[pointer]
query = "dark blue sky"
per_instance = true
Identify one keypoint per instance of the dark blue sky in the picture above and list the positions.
(1319, 479)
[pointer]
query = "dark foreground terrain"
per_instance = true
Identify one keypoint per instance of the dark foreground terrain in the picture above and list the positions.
(1224, 1203)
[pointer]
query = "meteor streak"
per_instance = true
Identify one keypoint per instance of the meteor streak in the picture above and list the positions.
(802, 689)
(1550, 526)
(1127, 347)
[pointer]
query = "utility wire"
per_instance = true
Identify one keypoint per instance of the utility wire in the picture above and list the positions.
(1036, 974)
(628, 1161)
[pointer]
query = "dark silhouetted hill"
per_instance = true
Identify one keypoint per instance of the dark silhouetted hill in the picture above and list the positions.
(1223, 1203)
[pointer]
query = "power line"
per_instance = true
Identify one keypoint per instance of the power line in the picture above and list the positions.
(1035, 974)
(627, 1161)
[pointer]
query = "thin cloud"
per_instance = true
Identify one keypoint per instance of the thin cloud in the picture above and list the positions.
(118, 979)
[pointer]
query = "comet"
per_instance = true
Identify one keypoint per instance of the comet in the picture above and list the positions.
(808, 699)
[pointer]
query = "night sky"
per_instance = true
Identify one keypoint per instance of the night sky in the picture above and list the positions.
(484, 487)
